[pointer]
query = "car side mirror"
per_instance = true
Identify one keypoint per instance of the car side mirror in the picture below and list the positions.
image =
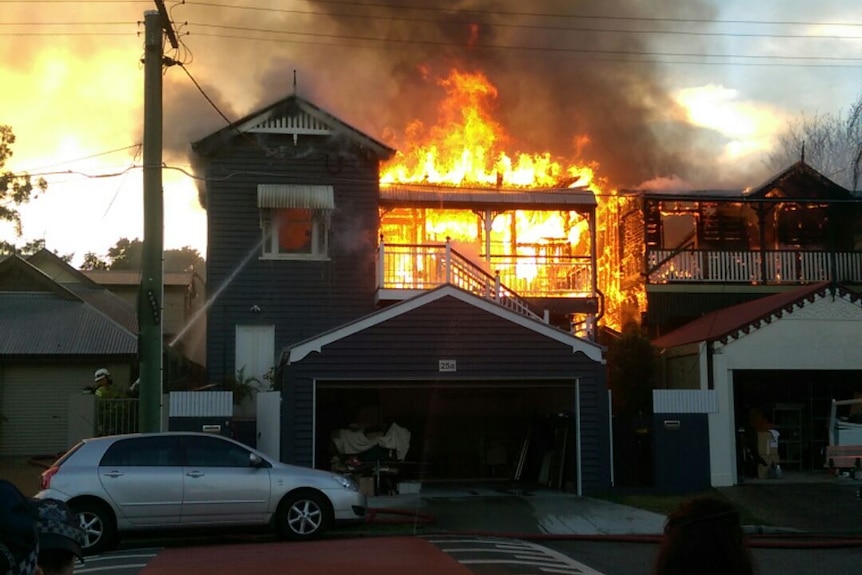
(255, 460)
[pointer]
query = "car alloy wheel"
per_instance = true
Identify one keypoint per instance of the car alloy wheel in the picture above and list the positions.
(98, 526)
(303, 515)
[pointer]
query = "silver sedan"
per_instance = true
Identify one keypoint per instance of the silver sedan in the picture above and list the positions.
(185, 480)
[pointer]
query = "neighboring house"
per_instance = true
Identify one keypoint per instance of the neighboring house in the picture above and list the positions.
(751, 293)
(56, 328)
(696, 251)
(369, 332)
(774, 363)
(184, 319)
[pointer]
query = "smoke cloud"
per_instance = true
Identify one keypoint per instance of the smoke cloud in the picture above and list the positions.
(585, 88)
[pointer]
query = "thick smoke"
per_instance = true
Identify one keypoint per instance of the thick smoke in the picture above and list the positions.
(586, 89)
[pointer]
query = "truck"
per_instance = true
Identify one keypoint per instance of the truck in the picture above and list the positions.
(844, 451)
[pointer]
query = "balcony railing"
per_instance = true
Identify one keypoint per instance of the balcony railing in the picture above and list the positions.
(413, 267)
(752, 267)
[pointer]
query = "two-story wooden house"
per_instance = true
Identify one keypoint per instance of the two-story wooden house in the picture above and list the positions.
(315, 282)
(753, 295)
(696, 251)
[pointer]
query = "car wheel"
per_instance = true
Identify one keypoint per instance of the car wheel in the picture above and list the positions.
(303, 515)
(97, 521)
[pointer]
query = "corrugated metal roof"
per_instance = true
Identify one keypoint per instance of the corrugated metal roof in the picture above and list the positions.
(129, 278)
(684, 401)
(731, 321)
(109, 304)
(34, 323)
(453, 197)
(295, 196)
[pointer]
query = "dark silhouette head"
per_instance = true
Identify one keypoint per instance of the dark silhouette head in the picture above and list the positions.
(704, 537)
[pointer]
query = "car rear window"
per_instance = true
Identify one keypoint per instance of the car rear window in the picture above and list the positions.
(63, 458)
(143, 452)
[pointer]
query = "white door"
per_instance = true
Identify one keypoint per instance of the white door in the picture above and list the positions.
(269, 423)
(255, 351)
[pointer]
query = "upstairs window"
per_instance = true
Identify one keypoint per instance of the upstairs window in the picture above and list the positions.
(294, 220)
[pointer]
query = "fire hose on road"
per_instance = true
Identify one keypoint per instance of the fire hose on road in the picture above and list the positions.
(790, 540)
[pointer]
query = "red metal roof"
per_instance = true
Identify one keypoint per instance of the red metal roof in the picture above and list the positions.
(740, 318)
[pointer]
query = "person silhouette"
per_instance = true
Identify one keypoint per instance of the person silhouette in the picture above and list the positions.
(704, 536)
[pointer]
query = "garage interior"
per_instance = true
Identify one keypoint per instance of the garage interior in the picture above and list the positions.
(796, 404)
(460, 431)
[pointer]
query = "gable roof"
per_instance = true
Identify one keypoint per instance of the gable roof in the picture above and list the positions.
(39, 316)
(734, 321)
(18, 275)
(82, 286)
(298, 351)
(130, 278)
(800, 181)
(290, 115)
(40, 324)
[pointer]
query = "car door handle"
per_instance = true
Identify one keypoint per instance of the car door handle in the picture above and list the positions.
(195, 474)
(114, 474)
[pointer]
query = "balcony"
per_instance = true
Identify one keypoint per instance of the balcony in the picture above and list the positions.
(405, 270)
(772, 267)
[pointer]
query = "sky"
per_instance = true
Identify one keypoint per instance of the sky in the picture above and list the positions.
(691, 91)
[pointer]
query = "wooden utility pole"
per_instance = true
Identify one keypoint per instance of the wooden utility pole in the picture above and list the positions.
(152, 289)
(150, 295)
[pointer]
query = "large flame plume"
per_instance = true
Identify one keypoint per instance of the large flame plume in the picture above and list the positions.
(466, 148)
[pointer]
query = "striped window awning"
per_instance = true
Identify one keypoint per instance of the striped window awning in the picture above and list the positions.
(295, 196)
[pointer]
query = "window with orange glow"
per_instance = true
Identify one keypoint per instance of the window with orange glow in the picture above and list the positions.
(294, 232)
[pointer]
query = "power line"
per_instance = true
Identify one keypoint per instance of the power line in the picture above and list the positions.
(114, 23)
(497, 13)
(90, 157)
(644, 57)
(548, 28)
(435, 43)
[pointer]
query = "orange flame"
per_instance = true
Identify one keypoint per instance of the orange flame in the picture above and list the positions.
(465, 148)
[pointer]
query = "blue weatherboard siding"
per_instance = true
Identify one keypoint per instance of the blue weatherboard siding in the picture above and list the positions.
(486, 348)
(301, 298)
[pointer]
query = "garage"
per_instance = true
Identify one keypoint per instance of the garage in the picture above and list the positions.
(475, 384)
(34, 403)
(796, 404)
(775, 363)
(460, 430)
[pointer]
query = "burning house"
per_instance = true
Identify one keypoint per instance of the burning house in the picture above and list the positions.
(454, 303)
(752, 296)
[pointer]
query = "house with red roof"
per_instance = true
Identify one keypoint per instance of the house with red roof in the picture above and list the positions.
(773, 364)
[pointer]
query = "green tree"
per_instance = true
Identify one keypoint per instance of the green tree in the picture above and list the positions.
(126, 255)
(93, 262)
(29, 248)
(832, 145)
(632, 368)
(15, 189)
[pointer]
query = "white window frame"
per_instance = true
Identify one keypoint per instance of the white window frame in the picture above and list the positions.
(319, 245)
(318, 200)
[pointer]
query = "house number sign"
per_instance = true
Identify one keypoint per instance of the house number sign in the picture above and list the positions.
(448, 365)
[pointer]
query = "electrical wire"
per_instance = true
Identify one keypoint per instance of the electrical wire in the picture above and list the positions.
(508, 14)
(549, 49)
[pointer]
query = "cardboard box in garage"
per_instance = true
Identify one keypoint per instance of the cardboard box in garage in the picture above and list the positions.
(366, 486)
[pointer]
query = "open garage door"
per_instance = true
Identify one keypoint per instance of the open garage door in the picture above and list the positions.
(461, 430)
(796, 404)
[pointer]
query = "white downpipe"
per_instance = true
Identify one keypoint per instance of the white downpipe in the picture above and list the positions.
(611, 432)
(578, 431)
